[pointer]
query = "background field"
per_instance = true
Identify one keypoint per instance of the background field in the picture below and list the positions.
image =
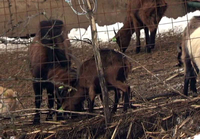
(152, 74)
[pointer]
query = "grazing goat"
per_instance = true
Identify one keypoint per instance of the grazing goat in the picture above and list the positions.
(116, 69)
(8, 100)
(141, 14)
(47, 53)
(64, 81)
(190, 53)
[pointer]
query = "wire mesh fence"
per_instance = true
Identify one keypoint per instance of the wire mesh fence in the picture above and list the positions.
(50, 76)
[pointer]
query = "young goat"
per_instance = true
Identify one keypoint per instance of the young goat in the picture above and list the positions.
(8, 100)
(64, 81)
(141, 14)
(47, 55)
(190, 53)
(116, 69)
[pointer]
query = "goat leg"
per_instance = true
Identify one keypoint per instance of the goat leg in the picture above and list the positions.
(193, 85)
(152, 38)
(50, 93)
(126, 98)
(137, 31)
(186, 83)
(117, 97)
(123, 87)
(91, 98)
(193, 80)
(38, 99)
(60, 98)
(146, 31)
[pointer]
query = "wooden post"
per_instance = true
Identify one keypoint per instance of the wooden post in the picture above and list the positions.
(98, 62)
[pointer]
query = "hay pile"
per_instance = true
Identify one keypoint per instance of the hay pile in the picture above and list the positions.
(158, 118)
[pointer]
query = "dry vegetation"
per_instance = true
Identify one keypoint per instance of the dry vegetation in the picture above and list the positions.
(152, 75)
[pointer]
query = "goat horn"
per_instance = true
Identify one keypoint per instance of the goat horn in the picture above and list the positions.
(114, 38)
(114, 31)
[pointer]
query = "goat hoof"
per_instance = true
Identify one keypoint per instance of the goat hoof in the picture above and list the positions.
(137, 50)
(113, 111)
(60, 117)
(125, 109)
(123, 50)
(49, 118)
(36, 121)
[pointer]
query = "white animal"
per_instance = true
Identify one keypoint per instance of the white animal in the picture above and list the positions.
(191, 53)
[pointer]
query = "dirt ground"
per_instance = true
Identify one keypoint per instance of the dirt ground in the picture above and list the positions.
(148, 77)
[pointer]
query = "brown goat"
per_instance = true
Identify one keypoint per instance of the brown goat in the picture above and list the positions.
(48, 51)
(141, 14)
(116, 69)
(62, 79)
(190, 53)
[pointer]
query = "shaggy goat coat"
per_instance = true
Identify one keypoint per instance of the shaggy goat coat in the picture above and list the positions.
(191, 53)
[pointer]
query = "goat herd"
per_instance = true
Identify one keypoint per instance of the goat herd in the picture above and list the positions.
(50, 61)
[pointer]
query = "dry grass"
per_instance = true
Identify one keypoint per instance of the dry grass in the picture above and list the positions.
(15, 74)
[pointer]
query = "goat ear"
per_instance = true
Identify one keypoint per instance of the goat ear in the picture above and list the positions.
(114, 38)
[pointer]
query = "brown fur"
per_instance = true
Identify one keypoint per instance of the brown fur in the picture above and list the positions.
(116, 69)
(38, 54)
(141, 14)
(61, 77)
(49, 50)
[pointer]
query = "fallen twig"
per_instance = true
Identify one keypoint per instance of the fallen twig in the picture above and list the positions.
(162, 95)
(162, 105)
(138, 67)
(174, 76)
(88, 41)
(44, 111)
(129, 130)
(144, 130)
(116, 130)
(52, 136)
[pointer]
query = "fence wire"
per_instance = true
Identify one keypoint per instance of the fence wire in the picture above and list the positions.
(49, 77)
